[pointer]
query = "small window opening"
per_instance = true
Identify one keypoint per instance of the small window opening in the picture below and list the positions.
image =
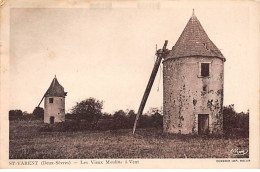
(50, 100)
(204, 69)
(205, 88)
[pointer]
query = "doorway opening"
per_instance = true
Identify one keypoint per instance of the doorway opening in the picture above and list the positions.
(52, 120)
(203, 124)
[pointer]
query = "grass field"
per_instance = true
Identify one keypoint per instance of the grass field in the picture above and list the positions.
(27, 142)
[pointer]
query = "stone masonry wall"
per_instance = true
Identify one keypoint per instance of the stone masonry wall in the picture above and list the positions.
(55, 109)
(184, 98)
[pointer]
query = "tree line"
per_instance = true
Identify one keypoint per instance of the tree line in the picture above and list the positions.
(88, 115)
(37, 114)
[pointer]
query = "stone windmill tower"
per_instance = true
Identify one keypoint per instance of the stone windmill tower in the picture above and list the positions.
(193, 77)
(54, 103)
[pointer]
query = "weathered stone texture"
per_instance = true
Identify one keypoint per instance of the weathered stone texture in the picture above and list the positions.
(55, 109)
(184, 97)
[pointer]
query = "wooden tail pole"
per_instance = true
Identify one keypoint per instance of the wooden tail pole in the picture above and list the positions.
(41, 101)
(160, 54)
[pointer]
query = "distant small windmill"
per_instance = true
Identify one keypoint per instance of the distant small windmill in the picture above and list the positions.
(54, 103)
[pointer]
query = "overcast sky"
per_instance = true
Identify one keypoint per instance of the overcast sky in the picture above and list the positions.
(109, 53)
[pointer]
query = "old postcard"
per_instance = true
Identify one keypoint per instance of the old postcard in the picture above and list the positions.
(129, 84)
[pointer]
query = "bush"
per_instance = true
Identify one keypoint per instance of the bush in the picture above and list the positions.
(105, 124)
(89, 109)
(38, 112)
(157, 120)
(235, 124)
(15, 115)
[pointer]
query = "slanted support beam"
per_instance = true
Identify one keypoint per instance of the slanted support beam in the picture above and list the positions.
(160, 54)
(42, 98)
(40, 101)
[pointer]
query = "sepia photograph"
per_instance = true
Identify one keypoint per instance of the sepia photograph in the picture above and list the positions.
(119, 82)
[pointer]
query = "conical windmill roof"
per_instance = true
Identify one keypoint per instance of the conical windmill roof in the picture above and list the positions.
(194, 42)
(55, 89)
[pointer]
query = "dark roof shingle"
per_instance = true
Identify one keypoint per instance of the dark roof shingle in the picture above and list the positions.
(194, 42)
(55, 89)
